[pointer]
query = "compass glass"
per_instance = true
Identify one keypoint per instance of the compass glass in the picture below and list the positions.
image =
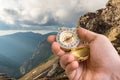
(67, 38)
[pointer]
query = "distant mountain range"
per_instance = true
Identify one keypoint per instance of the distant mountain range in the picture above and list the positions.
(19, 49)
(42, 54)
(19, 46)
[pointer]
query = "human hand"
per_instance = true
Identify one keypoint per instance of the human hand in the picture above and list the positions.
(103, 63)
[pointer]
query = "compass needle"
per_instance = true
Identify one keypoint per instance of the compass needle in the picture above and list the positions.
(68, 38)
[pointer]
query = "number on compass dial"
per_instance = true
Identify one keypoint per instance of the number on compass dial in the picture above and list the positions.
(68, 39)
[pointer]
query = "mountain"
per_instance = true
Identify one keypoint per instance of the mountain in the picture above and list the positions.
(7, 65)
(5, 61)
(42, 54)
(15, 49)
(19, 46)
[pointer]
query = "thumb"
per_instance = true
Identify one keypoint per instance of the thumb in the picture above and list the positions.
(86, 34)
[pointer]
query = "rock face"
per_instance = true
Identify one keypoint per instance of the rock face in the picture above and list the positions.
(105, 21)
(37, 58)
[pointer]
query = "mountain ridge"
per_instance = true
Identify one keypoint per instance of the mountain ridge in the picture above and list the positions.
(16, 48)
(42, 53)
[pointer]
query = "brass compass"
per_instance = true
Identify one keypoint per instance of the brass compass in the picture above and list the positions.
(69, 41)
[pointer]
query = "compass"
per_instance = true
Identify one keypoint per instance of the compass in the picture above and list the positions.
(67, 38)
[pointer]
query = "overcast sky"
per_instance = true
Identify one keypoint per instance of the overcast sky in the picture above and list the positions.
(44, 14)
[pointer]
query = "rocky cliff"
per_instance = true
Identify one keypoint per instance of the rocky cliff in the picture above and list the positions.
(105, 21)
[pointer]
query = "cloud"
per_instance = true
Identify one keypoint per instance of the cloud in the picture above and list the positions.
(27, 13)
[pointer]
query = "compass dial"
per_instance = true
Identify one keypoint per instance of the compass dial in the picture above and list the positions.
(67, 38)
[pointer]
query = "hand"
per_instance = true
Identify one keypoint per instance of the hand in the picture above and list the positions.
(103, 64)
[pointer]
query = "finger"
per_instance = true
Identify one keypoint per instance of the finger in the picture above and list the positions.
(82, 45)
(57, 50)
(86, 34)
(65, 60)
(74, 70)
(51, 38)
(71, 67)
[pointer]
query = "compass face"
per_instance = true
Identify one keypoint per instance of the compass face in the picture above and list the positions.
(67, 38)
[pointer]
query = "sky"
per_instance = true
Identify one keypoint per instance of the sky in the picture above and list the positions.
(44, 14)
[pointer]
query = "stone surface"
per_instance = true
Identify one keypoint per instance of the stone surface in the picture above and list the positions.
(105, 21)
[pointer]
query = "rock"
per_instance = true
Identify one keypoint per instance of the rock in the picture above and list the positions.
(105, 21)
(5, 77)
